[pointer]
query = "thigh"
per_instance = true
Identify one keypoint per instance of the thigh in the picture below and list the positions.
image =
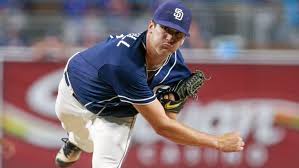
(74, 117)
(67, 108)
(111, 137)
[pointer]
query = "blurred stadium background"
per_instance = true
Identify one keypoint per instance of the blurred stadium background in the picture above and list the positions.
(249, 48)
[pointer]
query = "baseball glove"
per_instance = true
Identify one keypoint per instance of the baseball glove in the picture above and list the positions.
(182, 91)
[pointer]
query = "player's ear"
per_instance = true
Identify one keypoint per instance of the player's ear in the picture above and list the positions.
(182, 42)
(151, 25)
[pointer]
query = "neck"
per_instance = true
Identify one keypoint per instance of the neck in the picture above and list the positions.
(153, 61)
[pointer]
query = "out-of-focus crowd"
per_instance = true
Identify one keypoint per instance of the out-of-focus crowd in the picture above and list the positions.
(51, 26)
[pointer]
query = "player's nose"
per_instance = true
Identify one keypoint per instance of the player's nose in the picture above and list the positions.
(169, 37)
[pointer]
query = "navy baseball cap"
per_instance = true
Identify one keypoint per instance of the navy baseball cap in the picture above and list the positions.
(174, 14)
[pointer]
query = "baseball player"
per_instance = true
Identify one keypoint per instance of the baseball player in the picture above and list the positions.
(104, 87)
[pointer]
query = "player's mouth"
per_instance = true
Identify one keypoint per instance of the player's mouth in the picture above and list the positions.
(166, 45)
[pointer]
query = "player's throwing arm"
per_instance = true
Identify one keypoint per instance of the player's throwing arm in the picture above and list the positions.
(172, 100)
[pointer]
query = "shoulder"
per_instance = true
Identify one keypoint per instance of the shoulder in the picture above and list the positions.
(131, 48)
(122, 50)
(118, 43)
(125, 40)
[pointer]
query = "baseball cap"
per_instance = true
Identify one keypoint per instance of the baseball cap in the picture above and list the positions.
(174, 14)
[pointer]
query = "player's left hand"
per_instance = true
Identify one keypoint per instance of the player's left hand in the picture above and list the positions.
(174, 98)
(170, 104)
(169, 96)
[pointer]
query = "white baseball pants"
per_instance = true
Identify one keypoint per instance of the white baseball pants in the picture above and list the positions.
(107, 137)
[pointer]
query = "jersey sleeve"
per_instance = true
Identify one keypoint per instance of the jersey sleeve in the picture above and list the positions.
(130, 86)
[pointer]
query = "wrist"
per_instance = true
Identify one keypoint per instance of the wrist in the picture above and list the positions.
(216, 143)
(213, 142)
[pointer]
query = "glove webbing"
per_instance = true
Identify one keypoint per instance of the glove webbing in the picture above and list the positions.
(191, 86)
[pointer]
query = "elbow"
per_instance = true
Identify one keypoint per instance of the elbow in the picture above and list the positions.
(162, 128)
(160, 131)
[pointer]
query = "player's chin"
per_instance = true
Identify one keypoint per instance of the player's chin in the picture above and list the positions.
(166, 51)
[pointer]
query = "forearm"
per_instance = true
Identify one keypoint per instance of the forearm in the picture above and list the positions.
(182, 134)
(168, 127)
(196, 139)
(179, 133)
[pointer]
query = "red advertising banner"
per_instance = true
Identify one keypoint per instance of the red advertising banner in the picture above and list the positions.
(259, 101)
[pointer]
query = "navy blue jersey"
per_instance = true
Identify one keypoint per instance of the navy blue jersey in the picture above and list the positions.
(111, 76)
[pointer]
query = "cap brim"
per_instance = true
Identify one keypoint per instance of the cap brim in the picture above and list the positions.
(171, 25)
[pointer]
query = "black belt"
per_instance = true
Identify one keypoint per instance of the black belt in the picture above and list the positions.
(68, 84)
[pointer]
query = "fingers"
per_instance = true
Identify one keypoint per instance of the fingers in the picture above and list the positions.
(165, 96)
(239, 147)
(242, 144)
(169, 96)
